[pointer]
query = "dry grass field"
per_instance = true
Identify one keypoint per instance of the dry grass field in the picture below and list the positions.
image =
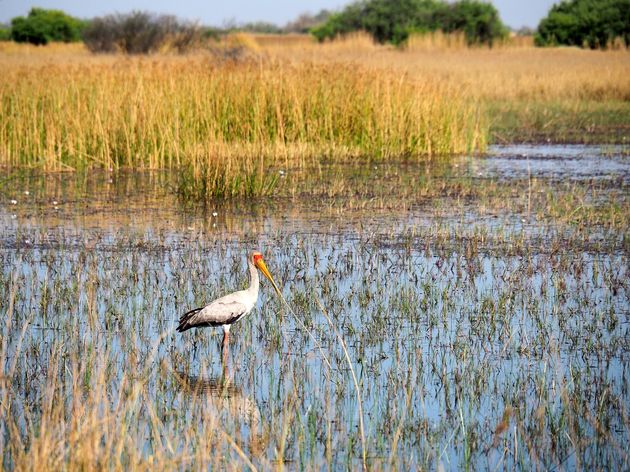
(507, 72)
(527, 93)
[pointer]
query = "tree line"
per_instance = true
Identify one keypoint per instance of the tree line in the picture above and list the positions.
(394, 20)
(586, 23)
(583, 23)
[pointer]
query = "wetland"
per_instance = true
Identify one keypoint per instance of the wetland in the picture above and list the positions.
(481, 302)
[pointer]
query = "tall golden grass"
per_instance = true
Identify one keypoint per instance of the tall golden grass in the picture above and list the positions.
(223, 119)
(527, 93)
(508, 71)
(439, 41)
(436, 41)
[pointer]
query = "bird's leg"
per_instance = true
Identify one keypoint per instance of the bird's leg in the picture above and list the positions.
(226, 369)
(226, 339)
(225, 345)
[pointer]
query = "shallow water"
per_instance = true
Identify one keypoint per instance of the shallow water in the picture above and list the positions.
(575, 162)
(480, 336)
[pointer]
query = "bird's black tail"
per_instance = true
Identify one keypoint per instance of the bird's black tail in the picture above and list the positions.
(185, 318)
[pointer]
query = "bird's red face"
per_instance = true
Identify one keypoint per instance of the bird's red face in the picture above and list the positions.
(257, 259)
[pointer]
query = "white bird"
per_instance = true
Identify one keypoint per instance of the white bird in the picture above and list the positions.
(227, 310)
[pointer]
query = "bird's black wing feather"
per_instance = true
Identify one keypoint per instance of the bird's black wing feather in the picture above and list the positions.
(218, 313)
(185, 318)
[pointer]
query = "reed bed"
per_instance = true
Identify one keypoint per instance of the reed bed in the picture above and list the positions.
(436, 41)
(439, 41)
(498, 73)
(10, 49)
(223, 120)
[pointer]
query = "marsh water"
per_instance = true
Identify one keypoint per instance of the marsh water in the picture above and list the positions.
(484, 332)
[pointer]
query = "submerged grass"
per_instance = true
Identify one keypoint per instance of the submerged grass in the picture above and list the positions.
(466, 352)
(479, 322)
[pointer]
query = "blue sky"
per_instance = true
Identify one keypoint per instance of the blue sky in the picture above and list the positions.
(515, 13)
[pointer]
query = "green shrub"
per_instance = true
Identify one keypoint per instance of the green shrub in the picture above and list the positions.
(43, 26)
(140, 33)
(592, 23)
(393, 20)
(263, 27)
(5, 34)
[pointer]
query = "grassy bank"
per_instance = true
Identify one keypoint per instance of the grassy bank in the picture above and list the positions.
(289, 102)
(562, 121)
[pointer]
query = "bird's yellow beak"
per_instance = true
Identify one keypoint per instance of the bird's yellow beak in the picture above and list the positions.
(263, 268)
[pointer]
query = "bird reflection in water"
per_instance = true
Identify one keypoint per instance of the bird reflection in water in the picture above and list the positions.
(227, 401)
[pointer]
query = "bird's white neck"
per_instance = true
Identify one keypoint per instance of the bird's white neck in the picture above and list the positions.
(254, 281)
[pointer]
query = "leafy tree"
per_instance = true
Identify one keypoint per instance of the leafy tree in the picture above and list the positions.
(479, 21)
(385, 20)
(210, 32)
(341, 23)
(43, 26)
(592, 23)
(393, 20)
